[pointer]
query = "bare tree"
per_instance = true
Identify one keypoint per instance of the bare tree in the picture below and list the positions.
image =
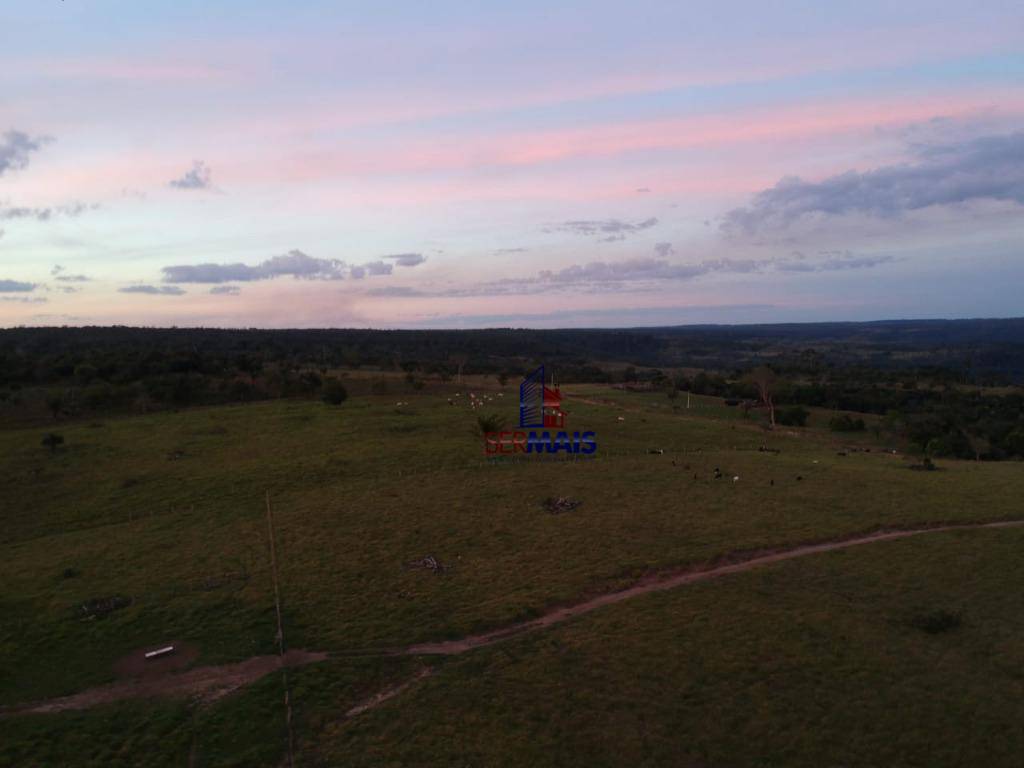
(766, 381)
(978, 442)
(460, 359)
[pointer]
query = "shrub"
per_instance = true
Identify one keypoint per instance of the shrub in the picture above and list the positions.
(98, 396)
(936, 622)
(55, 402)
(241, 391)
(792, 417)
(98, 607)
(311, 380)
(846, 423)
(1014, 442)
(334, 392)
(52, 440)
(490, 423)
(85, 373)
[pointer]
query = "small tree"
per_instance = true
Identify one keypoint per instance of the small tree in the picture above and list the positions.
(56, 404)
(85, 373)
(249, 365)
(978, 442)
(460, 359)
(334, 392)
(490, 423)
(765, 380)
(52, 440)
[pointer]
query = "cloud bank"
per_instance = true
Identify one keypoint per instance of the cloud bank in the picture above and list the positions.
(611, 229)
(295, 263)
(45, 214)
(15, 149)
(154, 290)
(196, 178)
(636, 274)
(60, 274)
(15, 286)
(407, 259)
(986, 168)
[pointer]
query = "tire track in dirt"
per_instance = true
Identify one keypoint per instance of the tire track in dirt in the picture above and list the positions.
(387, 693)
(208, 684)
(659, 583)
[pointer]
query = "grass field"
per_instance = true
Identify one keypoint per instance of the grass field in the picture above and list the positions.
(816, 661)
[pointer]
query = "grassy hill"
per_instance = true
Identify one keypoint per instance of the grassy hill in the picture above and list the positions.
(149, 529)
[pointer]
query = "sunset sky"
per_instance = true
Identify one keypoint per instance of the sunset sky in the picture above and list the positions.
(465, 164)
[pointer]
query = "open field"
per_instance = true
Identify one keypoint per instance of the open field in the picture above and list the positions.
(815, 661)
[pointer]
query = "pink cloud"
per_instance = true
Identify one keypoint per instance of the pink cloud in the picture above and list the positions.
(775, 125)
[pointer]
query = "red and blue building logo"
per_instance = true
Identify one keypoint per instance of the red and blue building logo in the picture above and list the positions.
(540, 408)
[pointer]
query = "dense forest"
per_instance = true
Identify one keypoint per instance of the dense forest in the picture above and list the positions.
(950, 388)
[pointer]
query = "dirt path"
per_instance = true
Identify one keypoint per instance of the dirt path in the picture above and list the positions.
(211, 683)
(663, 582)
(387, 693)
(205, 683)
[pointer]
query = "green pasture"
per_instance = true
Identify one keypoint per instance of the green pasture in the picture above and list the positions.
(812, 662)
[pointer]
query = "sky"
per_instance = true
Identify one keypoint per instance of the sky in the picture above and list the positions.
(528, 164)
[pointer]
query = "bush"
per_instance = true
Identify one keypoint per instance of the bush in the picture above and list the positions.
(936, 622)
(846, 423)
(334, 392)
(490, 423)
(241, 391)
(52, 440)
(311, 380)
(1014, 442)
(792, 417)
(55, 402)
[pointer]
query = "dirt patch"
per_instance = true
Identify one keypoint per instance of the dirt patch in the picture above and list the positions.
(208, 684)
(205, 684)
(136, 665)
(388, 693)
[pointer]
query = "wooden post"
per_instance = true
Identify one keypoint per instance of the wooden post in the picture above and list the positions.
(280, 636)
